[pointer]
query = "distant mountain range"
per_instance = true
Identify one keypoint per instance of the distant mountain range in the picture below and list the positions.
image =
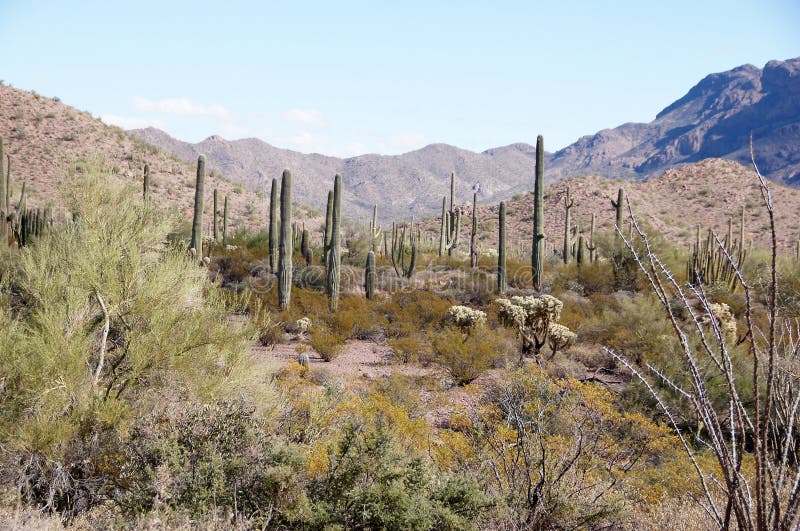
(714, 119)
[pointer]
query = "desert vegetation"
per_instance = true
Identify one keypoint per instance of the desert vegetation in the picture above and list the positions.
(346, 376)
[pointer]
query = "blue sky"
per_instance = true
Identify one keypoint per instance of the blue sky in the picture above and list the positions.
(345, 78)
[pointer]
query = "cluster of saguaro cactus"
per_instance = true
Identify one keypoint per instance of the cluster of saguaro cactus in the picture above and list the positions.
(30, 223)
(196, 243)
(537, 251)
(404, 257)
(451, 222)
(710, 263)
(501, 249)
(273, 227)
(285, 244)
(370, 276)
(335, 251)
(473, 238)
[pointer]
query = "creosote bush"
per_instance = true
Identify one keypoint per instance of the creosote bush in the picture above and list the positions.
(98, 314)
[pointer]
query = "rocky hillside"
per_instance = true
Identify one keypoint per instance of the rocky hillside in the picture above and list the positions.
(43, 137)
(706, 193)
(714, 119)
(403, 185)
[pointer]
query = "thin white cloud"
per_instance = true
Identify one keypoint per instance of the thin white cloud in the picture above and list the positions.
(402, 143)
(304, 116)
(131, 122)
(181, 106)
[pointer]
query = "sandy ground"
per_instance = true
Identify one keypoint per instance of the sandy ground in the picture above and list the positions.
(361, 363)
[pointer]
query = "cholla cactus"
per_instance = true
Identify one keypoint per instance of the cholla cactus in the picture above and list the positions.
(534, 318)
(560, 337)
(723, 315)
(303, 324)
(465, 317)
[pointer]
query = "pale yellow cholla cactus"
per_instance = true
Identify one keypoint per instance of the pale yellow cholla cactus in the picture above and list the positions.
(303, 324)
(560, 337)
(535, 319)
(465, 317)
(727, 322)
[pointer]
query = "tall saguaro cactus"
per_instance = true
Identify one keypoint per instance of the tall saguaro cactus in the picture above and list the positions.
(145, 182)
(501, 250)
(225, 220)
(273, 227)
(568, 204)
(8, 183)
(374, 229)
(197, 220)
(473, 239)
(326, 237)
(285, 245)
(305, 246)
(214, 224)
(443, 230)
(3, 203)
(590, 246)
(369, 276)
(335, 253)
(579, 250)
(537, 250)
(619, 205)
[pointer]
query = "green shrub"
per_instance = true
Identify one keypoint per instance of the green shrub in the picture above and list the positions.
(75, 374)
(467, 356)
(372, 483)
(212, 458)
(326, 342)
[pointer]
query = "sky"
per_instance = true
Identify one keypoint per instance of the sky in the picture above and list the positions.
(346, 78)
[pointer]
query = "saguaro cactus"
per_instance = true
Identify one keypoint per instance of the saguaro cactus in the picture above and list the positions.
(23, 203)
(374, 229)
(619, 205)
(326, 237)
(591, 247)
(443, 230)
(8, 184)
(285, 244)
(335, 252)
(305, 246)
(537, 251)
(145, 182)
(473, 239)
(501, 250)
(579, 250)
(568, 204)
(225, 220)
(214, 223)
(197, 220)
(273, 227)
(3, 200)
(369, 276)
